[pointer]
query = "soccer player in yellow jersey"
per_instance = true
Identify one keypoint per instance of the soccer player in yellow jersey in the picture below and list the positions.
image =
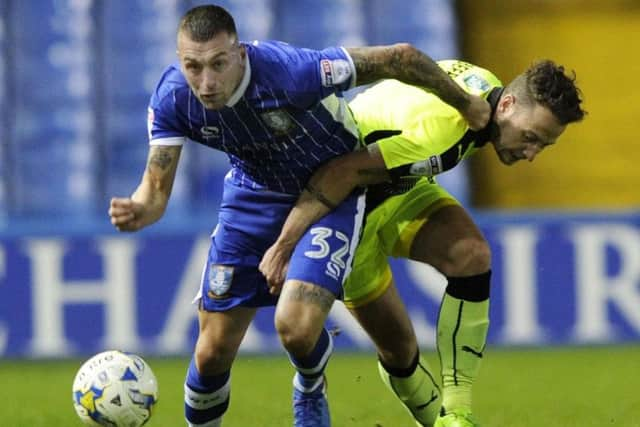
(412, 136)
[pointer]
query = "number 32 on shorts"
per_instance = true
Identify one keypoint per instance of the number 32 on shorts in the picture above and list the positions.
(337, 263)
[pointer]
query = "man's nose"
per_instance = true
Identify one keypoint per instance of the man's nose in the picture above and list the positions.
(531, 152)
(209, 81)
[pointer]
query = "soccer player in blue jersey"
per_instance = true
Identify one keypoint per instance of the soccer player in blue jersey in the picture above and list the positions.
(413, 136)
(278, 112)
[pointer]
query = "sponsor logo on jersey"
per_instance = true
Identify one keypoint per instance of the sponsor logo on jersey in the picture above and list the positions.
(431, 166)
(334, 72)
(474, 81)
(278, 121)
(210, 132)
(220, 278)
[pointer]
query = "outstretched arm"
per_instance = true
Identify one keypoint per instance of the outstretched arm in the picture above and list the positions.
(148, 203)
(328, 186)
(408, 64)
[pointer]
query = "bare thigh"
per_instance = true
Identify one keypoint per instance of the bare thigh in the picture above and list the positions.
(452, 243)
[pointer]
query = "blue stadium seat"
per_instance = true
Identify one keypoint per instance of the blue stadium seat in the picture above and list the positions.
(318, 24)
(429, 24)
(5, 173)
(84, 74)
(255, 19)
(133, 57)
(53, 156)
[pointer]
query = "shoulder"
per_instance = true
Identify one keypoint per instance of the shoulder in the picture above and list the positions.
(273, 51)
(271, 58)
(170, 84)
(269, 63)
(470, 77)
(402, 102)
(278, 65)
(420, 113)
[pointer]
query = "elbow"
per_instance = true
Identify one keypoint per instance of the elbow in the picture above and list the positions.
(342, 171)
(404, 51)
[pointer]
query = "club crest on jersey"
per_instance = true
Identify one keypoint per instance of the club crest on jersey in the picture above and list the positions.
(278, 121)
(220, 278)
(334, 72)
(474, 81)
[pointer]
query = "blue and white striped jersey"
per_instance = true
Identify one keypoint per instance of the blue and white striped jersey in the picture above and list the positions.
(286, 118)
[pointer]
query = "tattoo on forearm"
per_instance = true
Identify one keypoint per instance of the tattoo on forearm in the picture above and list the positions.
(317, 194)
(312, 294)
(408, 65)
(374, 64)
(160, 157)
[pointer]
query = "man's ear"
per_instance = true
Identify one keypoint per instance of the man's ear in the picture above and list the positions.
(506, 102)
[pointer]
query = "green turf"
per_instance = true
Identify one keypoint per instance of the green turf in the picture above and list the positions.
(517, 388)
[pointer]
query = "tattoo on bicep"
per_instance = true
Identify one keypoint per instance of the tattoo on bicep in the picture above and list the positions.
(312, 294)
(160, 157)
(364, 69)
(408, 65)
(375, 63)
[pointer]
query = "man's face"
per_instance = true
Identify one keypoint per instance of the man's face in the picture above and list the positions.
(523, 130)
(213, 68)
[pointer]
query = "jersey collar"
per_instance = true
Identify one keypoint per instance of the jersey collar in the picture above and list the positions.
(483, 135)
(244, 83)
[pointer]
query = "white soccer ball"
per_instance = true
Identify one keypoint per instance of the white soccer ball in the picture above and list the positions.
(115, 389)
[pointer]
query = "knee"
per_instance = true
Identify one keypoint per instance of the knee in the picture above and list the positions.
(480, 256)
(470, 257)
(297, 338)
(211, 357)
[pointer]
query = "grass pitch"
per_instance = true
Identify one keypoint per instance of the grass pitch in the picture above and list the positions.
(517, 388)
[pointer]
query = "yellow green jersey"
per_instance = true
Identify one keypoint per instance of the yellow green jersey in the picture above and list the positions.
(418, 134)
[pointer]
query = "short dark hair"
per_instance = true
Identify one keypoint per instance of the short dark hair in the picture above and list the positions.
(547, 83)
(202, 23)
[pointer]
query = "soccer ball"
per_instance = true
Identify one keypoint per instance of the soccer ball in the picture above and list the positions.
(115, 389)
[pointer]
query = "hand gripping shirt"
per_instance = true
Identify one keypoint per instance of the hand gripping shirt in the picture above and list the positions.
(287, 116)
(418, 134)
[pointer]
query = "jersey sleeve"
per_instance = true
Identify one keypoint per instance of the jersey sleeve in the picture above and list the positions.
(473, 79)
(430, 135)
(162, 119)
(311, 75)
(336, 69)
